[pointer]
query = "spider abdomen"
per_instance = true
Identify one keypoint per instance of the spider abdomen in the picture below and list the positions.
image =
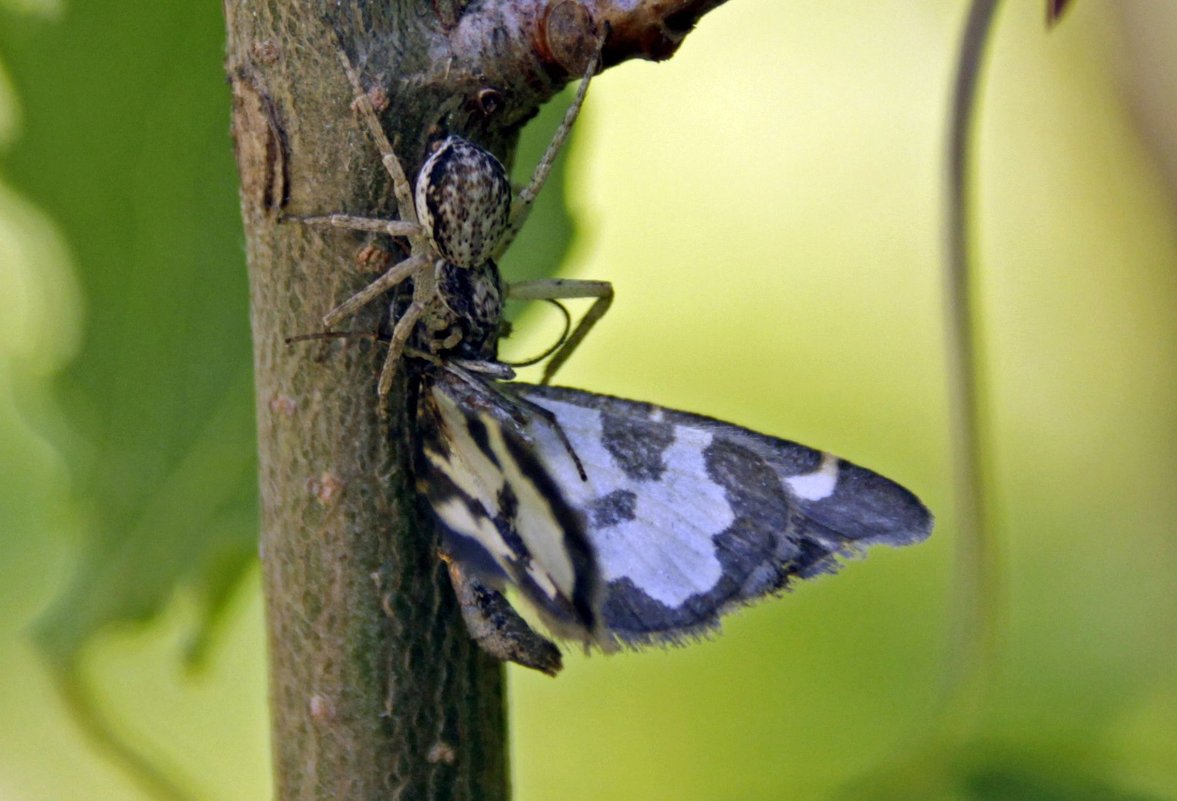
(463, 200)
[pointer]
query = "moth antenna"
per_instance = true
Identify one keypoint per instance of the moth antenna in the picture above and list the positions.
(555, 346)
(535, 408)
(512, 402)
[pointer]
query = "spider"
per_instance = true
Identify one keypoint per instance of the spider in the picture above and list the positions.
(461, 215)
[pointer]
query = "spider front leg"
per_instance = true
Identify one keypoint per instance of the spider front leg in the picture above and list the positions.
(420, 263)
(400, 182)
(424, 295)
(522, 205)
(420, 252)
(566, 289)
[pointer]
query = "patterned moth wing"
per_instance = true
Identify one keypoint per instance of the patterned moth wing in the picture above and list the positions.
(503, 517)
(627, 523)
(689, 516)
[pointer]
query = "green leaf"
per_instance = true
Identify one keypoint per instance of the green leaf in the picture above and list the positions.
(1024, 781)
(121, 138)
(125, 146)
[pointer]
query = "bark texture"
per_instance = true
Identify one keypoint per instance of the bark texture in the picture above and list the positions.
(376, 689)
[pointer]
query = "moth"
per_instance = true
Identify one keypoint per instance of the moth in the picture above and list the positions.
(625, 523)
(621, 523)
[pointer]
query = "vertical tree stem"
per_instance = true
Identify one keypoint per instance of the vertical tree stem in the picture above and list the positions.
(376, 690)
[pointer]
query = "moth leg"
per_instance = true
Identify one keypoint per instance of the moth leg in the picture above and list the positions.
(521, 208)
(566, 289)
(497, 628)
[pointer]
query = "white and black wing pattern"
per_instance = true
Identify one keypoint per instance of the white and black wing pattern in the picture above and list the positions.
(690, 516)
(503, 517)
(627, 522)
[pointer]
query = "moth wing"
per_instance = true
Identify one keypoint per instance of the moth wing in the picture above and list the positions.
(501, 516)
(690, 516)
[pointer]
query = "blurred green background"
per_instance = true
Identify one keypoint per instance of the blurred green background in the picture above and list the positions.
(767, 205)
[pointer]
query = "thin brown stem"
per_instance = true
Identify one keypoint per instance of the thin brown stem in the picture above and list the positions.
(977, 586)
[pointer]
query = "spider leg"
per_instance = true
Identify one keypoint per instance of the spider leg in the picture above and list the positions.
(396, 347)
(397, 273)
(565, 289)
(522, 205)
(424, 294)
(371, 224)
(363, 105)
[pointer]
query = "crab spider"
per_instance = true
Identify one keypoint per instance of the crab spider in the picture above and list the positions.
(462, 212)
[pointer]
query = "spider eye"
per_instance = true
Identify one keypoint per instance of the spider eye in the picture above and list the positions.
(463, 201)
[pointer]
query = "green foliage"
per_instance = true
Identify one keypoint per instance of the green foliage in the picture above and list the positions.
(1016, 782)
(124, 144)
(126, 147)
(748, 192)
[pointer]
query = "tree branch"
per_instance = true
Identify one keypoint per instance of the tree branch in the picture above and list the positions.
(377, 690)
